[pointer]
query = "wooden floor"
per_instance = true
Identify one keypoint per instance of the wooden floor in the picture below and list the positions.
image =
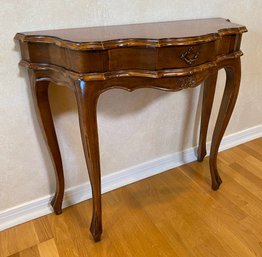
(172, 214)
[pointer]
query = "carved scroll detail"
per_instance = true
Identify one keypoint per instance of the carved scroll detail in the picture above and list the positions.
(190, 56)
(186, 82)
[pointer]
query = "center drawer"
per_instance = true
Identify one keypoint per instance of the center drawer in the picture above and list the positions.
(155, 58)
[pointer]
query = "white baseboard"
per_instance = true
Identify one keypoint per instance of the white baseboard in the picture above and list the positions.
(39, 207)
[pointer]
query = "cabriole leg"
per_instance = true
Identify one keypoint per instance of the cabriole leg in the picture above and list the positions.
(39, 89)
(207, 103)
(233, 74)
(87, 96)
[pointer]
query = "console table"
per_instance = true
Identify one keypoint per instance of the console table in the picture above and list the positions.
(169, 56)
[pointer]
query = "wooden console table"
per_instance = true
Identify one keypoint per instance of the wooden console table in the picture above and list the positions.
(169, 56)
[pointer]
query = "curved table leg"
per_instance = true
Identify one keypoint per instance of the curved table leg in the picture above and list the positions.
(39, 91)
(233, 74)
(87, 96)
(207, 102)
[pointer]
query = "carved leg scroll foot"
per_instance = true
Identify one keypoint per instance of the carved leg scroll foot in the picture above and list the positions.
(233, 73)
(96, 227)
(216, 180)
(57, 205)
(207, 102)
(39, 89)
(87, 96)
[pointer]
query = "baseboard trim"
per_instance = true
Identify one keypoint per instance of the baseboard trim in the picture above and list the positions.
(39, 207)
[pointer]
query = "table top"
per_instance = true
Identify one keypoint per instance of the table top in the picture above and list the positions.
(213, 28)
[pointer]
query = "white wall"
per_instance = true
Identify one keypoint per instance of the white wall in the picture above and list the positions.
(134, 127)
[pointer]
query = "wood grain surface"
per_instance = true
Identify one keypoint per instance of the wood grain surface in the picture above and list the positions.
(144, 34)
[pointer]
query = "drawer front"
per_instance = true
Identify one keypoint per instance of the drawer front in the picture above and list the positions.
(157, 58)
(185, 56)
(126, 58)
(132, 58)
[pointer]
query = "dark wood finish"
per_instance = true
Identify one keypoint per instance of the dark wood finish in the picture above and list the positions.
(87, 95)
(207, 102)
(168, 56)
(39, 89)
(233, 72)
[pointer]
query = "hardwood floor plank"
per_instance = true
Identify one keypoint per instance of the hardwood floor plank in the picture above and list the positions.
(256, 145)
(243, 177)
(254, 151)
(67, 248)
(202, 178)
(59, 226)
(48, 249)
(17, 239)
(253, 165)
(191, 227)
(134, 221)
(29, 252)
(15, 255)
(218, 218)
(229, 156)
(43, 229)
(245, 172)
